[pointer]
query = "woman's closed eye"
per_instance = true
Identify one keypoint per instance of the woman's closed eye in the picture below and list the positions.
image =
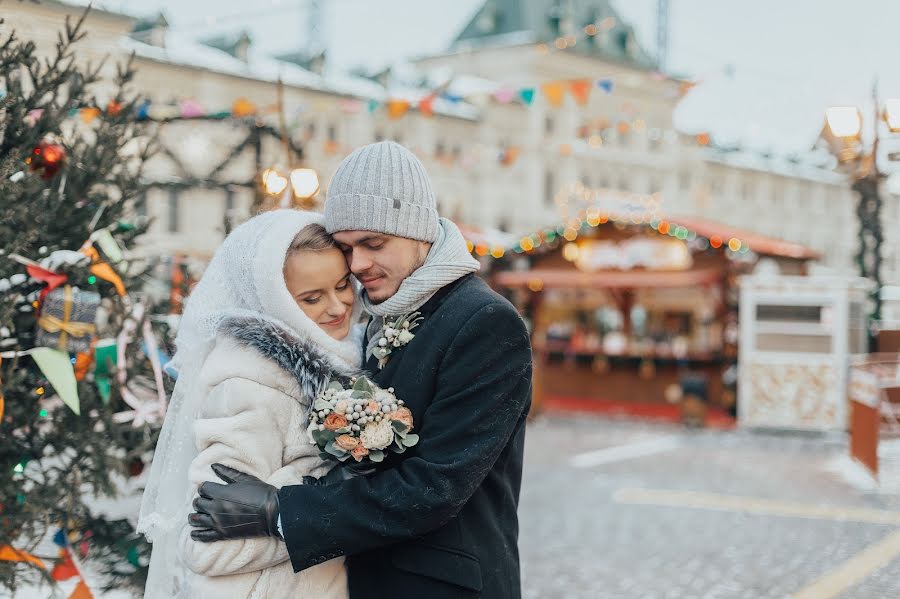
(312, 299)
(344, 284)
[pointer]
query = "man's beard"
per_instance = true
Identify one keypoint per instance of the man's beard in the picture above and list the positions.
(420, 262)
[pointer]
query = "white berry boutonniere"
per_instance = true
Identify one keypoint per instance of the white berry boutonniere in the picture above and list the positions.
(394, 334)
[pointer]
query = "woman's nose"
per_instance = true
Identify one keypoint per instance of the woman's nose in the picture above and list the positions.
(336, 307)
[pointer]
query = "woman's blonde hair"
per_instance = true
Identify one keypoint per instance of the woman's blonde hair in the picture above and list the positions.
(312, 238)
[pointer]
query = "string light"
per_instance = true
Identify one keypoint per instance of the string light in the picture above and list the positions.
(43, 413)
(92, 279)
(734, 244)
(39, 390)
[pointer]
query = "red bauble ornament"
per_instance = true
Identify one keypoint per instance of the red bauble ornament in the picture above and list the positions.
(47, 159)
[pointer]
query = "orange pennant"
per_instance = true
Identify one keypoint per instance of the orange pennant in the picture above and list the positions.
(426, 106)
(397, 108)
(243, 107)
(9, 554)
(102, 270)
(89, 114)
(554, 92)
(581, 90)
(81, 591)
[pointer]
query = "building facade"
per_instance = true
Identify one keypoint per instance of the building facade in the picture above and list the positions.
(497, 165)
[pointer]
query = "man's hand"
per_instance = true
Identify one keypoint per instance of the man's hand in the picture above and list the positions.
(244, 507)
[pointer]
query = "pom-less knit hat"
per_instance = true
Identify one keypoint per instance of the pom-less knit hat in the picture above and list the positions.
(382, 187)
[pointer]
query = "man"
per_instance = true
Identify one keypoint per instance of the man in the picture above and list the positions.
(439, 521)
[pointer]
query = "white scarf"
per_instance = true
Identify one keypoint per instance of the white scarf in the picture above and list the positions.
(447, 261)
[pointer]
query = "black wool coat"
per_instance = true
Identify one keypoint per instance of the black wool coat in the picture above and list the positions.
(440, 521)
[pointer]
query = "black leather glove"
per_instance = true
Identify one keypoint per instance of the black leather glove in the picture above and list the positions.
(245, 507)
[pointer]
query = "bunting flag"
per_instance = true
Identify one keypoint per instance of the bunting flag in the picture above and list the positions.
(554, 91)
(58, 369)
(191, 109)
(372, 105)
(10, 554)
(509, 155)
(504, 96)
(397, 108)
(426, 106)
(101, 269)
(581, 90)
(527, 95)
(51, 278)
(64, 569)
(243, 107)
(89, 114)
(351, 106)
(113, 108)
(606, 85)
(81, 591)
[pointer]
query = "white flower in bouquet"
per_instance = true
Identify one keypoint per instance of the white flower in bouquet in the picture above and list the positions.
(377, 435)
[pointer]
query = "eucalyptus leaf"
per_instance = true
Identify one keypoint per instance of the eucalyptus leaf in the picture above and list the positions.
(343, 430)
(335, 385)
(363, 384)
(376, 455)
(321, 404)
(410, 439)
(399, 427)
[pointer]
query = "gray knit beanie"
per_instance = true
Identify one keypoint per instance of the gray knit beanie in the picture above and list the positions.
(382, 187)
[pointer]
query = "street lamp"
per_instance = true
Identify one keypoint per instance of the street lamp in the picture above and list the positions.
(842, 133)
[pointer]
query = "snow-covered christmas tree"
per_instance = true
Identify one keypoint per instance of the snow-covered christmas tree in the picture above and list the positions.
(82, 391)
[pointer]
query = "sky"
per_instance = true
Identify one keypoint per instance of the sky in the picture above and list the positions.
(768, 68)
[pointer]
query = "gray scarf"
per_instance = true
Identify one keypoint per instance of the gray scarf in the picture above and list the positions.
(447, 261)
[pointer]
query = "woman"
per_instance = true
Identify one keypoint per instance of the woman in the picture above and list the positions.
(269, 323)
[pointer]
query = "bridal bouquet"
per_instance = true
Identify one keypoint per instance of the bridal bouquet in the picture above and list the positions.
(362, 422)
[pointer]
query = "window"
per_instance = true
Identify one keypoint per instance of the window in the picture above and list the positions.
(379, 136)
(549, 188)
(140, 205)
(439, 149)
(332, 133)
(548, 125)
(173, 211)
(684, 180)
(229, 205)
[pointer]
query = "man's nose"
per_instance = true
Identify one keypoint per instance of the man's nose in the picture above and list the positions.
(359, 262)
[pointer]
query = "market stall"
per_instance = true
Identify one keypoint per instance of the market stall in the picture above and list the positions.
(636, 312)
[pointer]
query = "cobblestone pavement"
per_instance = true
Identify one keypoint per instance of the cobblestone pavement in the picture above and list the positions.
(712, 514)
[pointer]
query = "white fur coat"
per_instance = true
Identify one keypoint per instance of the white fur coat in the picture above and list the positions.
(253, 418)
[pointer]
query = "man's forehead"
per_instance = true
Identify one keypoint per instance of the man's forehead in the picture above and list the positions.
(355, 237)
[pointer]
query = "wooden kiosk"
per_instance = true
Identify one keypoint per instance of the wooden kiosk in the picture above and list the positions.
(625, 312)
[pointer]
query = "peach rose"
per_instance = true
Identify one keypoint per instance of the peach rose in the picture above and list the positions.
(403, 415)
(359, 452)
(335, 421)
(373, 405)
(347, 442)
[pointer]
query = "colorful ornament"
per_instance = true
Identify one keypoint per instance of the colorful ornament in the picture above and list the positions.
(47, 159)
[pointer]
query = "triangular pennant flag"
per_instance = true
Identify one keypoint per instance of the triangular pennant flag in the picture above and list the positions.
(452, 98)
(58, 369)
(52, 279)
(9, 554)
(373, 105)
(504, 96)
(351, 106)
(104, 388)
(426, 106)
(191, 109)
(554, 91)
(606, 85)
(89, 114)
(581, 90)
(243, 107)
(60, 538)
(81, 591)
(397, 108)
(527, 95)
(65, 569)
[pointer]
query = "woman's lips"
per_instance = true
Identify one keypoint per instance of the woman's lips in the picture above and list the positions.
(336, 322)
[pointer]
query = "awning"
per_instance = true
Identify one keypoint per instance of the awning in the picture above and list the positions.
(633, 279)
(760, 244)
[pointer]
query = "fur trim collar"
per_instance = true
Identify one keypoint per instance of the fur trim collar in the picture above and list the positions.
(297, 355)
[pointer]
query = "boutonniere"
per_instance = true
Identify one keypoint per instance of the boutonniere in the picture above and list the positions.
(394, 334)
